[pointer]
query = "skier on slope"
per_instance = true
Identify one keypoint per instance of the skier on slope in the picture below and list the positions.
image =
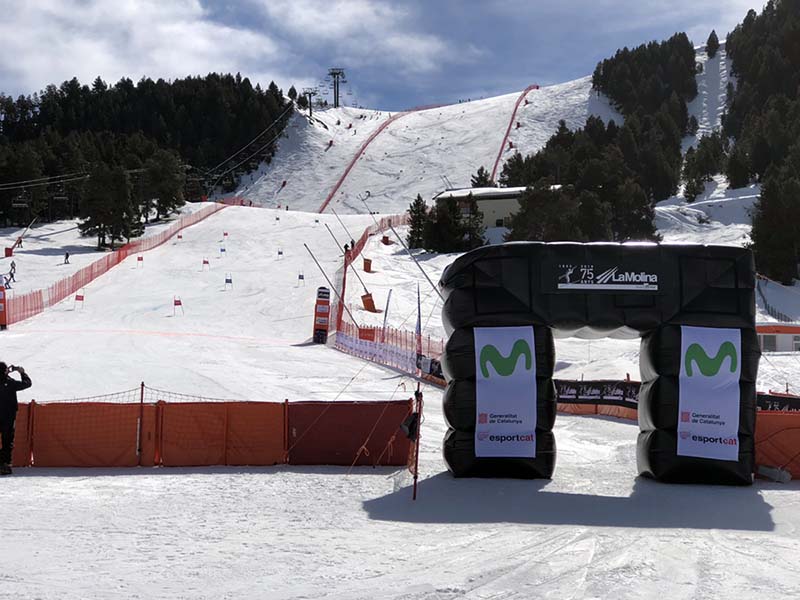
(8, 411)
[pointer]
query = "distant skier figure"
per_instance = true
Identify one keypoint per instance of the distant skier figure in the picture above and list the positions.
(13, 267)
(7, 282)
(66, 258)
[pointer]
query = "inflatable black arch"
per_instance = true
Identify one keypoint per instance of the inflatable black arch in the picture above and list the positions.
(693, 307)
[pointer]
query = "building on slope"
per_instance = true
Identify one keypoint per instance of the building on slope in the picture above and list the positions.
(496, 203)
(778, 337)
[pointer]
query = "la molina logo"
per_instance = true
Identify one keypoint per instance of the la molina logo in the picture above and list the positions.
(582, 277)
(505, 366)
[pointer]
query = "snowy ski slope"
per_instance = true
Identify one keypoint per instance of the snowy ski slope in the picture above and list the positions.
(413, 154)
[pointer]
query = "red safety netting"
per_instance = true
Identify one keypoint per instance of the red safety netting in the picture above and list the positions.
(147, 427)
(348, 433)
(27, 305)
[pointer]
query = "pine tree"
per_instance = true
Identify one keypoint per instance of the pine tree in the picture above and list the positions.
(774, 233)
(95, 207)
(693, 126)
(712, 44)
(634, 214)
(444, 231)
(292, 93)
(594, 217)
(417, 216)
(693, 188)
(481, 179)
(473, 225)
(164, 182)
(737, 168)
(546, 214)
(124, 216)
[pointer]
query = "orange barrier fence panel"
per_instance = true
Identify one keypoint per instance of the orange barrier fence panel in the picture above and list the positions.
(21, 456)
(86, 434)
(577, 409)
(192, 434)
(778, 440)
(347, 433)
(620, 412)
(255, 433)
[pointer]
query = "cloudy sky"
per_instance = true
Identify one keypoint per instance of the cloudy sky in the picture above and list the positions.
(396, 54)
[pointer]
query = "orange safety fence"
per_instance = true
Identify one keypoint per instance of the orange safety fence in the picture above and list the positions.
(139, 428)
(348, 433)
(19, 308)
(222, 433)
(607, 410)
(92, 434)
(778, 440)
(21, 456)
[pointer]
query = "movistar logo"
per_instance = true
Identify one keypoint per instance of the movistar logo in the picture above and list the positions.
(709, 367)
(505, 366)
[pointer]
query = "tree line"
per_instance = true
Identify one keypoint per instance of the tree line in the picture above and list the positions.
(763, 119)
(119, 155)
(203, 119)
(601, 182)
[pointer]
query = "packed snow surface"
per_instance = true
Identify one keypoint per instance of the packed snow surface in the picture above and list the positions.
(594, 531)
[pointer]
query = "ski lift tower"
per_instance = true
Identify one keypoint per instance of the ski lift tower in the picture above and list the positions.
(337, 74)
(309, 93)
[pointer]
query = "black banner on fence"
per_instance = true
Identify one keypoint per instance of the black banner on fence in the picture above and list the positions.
(610, 392)
(626, 393)
(782, 403)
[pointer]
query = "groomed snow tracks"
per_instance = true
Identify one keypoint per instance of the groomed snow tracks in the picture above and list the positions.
(400, 115)
(361, 150)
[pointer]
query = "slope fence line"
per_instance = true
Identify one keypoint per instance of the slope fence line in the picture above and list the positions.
(350, 256)
(404, 350)
(510, 124)
(19, 308)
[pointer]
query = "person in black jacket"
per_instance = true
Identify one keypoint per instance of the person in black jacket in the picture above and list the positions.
(8, 411)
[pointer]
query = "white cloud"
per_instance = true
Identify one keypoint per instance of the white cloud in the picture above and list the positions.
(48, 41)
(364, 33)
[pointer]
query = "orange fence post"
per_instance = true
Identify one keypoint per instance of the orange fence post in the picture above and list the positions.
(139, 426)
(286, 431)
(225, 437)
(158, 454)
